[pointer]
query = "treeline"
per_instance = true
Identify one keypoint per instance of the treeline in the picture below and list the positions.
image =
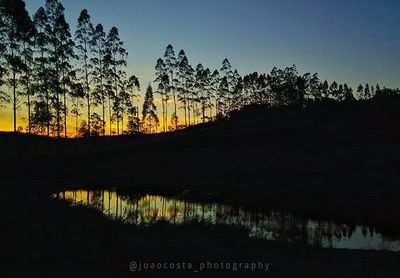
(205, 95)
(61, 77)
(56, 74)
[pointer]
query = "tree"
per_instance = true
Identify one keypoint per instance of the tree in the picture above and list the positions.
(115, 62)
(201, 78)
(40, 118)
(64, 55)
(360, 92)
(42, 68)
(149, 113)
(214, 85)
(98, 47)
(162, 79)
(367, 92)
(333, 90)
(227, 75)
(3, 96)
(132, 86)
(57, 32)
(83, 38)
(170, 67)
(15, 27)
(348, 93)
(77, 94)
(28, 65)
(181, 82)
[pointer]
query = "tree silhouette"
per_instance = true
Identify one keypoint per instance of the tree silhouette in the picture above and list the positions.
(149, 113)
(15, 30)
(115, 62)
(83, 38)
(98, 47)
(163, 87)
(41, 68)
(170, 67)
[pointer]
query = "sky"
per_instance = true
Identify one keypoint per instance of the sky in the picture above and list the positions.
(352, 41)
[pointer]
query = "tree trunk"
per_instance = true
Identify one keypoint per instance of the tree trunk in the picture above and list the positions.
(188, 105)
(173, 94)
(109, 114)
(65, 113)
(29, 106)
(87, 89)
(103, 113)
(15, 100)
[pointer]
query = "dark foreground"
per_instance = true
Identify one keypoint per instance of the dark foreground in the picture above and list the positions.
(336, 161)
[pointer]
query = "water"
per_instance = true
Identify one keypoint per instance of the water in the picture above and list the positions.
(147, 209)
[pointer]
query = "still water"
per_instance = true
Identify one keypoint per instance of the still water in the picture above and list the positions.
(147, 209)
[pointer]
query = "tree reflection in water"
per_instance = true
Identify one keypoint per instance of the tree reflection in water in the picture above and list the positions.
(146, 209)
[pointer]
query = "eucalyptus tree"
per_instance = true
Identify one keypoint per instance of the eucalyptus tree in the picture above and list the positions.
(42, 69)
(348, 93)
(162, 78)
(190, 90)
(98, 48)
(115, 63)
(199, 88)
(214, 86)
(367, 91)
(360, 92)
(132, 87)
(57, 33)
(223, 91)
(3, 96)
(127, 96)
(83, 39)
(236, 91)
(202, 86)
(170, 67)
(77, 94)
(312, 82)
(181, 81)
(324, 89)
(262, 95)
(333, 88)
(237, 100)
(14, 29)
(65, 55)
(28, 67)
(149, 113)
(225, 94)
(250, 87)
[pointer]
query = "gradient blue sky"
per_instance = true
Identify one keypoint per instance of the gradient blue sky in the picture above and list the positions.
(349, 41)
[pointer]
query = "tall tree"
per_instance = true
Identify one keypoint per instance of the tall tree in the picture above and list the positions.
(98, 46)
(28, 66)
(181, 81)
(65, 55)
(3, 95)
(367, 92)
(132, 86)
(225, 94)
(42, 69)
(149, 113)
(360, 92)
(162, 78)
(170, 67)
(214, 86)
(83, 38)
(15, 25)
(115, 62)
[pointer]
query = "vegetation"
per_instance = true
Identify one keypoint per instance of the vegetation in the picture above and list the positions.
(54, 74)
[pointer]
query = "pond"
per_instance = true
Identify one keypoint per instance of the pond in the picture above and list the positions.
(147, 209)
